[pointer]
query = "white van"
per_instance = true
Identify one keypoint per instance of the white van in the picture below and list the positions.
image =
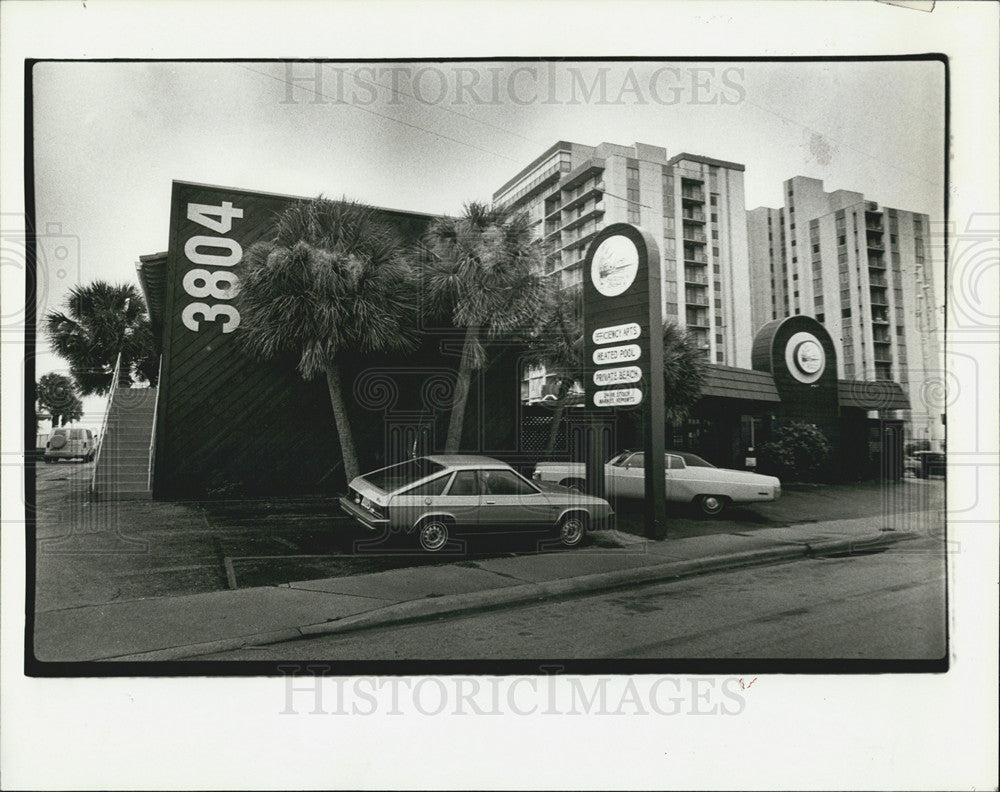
(70, 443)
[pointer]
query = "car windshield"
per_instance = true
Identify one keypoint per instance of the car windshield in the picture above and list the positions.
(693, 461)
(405, 473)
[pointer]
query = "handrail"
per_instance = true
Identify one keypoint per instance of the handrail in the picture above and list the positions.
(104, 424)
(152, 434)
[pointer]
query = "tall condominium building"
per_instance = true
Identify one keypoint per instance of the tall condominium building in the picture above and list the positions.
(692, 205)
(861, 269)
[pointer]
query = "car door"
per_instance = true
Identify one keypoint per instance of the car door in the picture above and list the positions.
(630, 477)
(461, 500)
(679, 482)
(510, 503)
(409, 506)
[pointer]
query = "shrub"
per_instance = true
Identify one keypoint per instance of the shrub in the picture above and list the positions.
(796, 452)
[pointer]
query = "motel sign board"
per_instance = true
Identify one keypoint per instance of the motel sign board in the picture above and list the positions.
(623, 351)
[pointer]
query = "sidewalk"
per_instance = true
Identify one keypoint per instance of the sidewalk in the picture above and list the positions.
(172, 628)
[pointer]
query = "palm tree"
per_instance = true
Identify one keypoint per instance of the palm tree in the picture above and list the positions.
(683, 372)
(558, 346)
(56, 397)
(331, 279)
(481, 269)
(100, 321)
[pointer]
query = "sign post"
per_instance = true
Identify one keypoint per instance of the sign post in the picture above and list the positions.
(623, 348)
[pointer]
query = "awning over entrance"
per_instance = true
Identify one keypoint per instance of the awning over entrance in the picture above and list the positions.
(729, 382)
(872, 395)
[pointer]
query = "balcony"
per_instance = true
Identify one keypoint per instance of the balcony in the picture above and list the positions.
(693, 194)
(877, 281)
(594, 211)
(576, 263)
(696, 235)
(699, 322)
(580, 239)
(880, 318)
(547, 177)
(880, 335)
(690, 298)
(873, 225)
(879, 300)
(695, 278)
(875, 244)
(876, 262)
(693, 216)
(593, 167)
(695, 258)
(594, 191)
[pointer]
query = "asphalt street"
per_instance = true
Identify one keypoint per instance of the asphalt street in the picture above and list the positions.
(885, 605)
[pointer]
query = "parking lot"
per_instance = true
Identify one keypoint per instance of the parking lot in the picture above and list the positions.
(100, 552)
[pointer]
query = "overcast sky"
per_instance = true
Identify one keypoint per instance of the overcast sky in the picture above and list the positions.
(110, 137)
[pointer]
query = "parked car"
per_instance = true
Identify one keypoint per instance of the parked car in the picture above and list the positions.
(926, 463)
(434, 498)
(690, 479)
(70, 443)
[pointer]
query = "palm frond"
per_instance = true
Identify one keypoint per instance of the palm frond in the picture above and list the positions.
(332, 276)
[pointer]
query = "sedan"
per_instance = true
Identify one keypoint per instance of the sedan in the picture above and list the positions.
(434, 498)
(690, 479)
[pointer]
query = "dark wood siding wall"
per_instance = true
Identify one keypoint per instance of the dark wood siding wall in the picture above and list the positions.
(231, 425)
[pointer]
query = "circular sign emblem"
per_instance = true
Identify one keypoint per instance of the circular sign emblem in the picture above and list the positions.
(809, 357)
(615, 264)
(805, 357)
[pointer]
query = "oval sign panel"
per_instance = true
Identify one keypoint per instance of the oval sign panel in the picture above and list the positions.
(620, 397)
(615, 264)
(617, 354)
(617, 376)
(617, 334)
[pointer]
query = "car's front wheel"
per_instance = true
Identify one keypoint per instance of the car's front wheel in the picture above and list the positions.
(433, 535)
(712, 505)
(572, 529)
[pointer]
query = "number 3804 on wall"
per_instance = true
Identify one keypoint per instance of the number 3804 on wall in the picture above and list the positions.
(217, 285)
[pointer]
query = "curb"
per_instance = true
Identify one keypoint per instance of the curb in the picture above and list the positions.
(456, 604)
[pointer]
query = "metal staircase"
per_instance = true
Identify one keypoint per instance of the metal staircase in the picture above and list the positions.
(123, 469)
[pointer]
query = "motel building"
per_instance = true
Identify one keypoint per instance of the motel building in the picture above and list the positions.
(222, 425)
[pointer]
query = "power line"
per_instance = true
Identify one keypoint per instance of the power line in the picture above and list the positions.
(398, 120)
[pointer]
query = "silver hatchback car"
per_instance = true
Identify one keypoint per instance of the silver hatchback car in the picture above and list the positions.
(437, 497)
